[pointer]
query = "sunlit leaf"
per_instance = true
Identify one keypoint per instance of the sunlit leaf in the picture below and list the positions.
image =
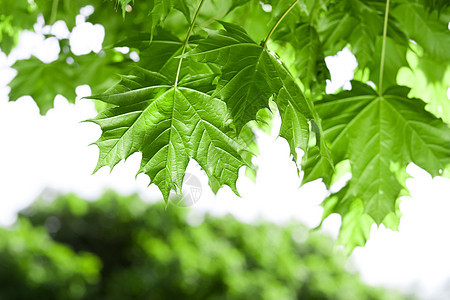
(375, 133)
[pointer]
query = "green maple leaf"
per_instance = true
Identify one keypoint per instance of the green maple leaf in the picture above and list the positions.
(355, 228)
(170, 120)
(428, 81)
(168, 126)
(428, 30)
(356, 223)
(60, 77)
(160, 9)
(251, 75)
(332, 30)
(377, 134)
(156, 55)
(309, 58)
(360, 25)
(351, 22)
(48, 80)
(393, 62)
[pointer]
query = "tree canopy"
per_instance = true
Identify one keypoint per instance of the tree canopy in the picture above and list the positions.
(211, 72)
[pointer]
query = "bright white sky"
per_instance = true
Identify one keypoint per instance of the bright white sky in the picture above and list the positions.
(51, 152)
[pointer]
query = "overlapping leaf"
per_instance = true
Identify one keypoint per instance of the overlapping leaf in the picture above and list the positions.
(428, 80)
(438, 5)
(160, 9)
(251, 75)
(428, 30)
(360, 25)
(237, 3)
(378, 134)
(309, 56)
(353, 22)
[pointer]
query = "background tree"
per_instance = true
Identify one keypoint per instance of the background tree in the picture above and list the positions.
(122, 248)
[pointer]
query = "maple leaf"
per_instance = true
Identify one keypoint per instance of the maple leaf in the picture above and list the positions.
(393, 62)
(251, 75)
(160, 9)
(170, 120)
(428, 79)
(89, 69)
(309, 58)
(428, 30)
(353, 22)
(377, 133)
(360, 25)
(41, 74)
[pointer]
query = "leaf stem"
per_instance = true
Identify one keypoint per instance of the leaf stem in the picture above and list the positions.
(278, 23)
(54, 11)
(183, 50)
(383, 49)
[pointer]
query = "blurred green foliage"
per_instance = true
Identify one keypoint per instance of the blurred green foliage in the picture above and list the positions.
(124, 248)
(33, 266)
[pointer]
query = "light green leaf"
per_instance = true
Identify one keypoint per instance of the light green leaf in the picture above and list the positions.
(60, 77)
(377, 134)
(355, 225)
(428, 80)
(355, 228)
(48, 80)
(427, 29)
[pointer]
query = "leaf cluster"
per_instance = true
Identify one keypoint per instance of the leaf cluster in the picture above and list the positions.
(210, 72)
